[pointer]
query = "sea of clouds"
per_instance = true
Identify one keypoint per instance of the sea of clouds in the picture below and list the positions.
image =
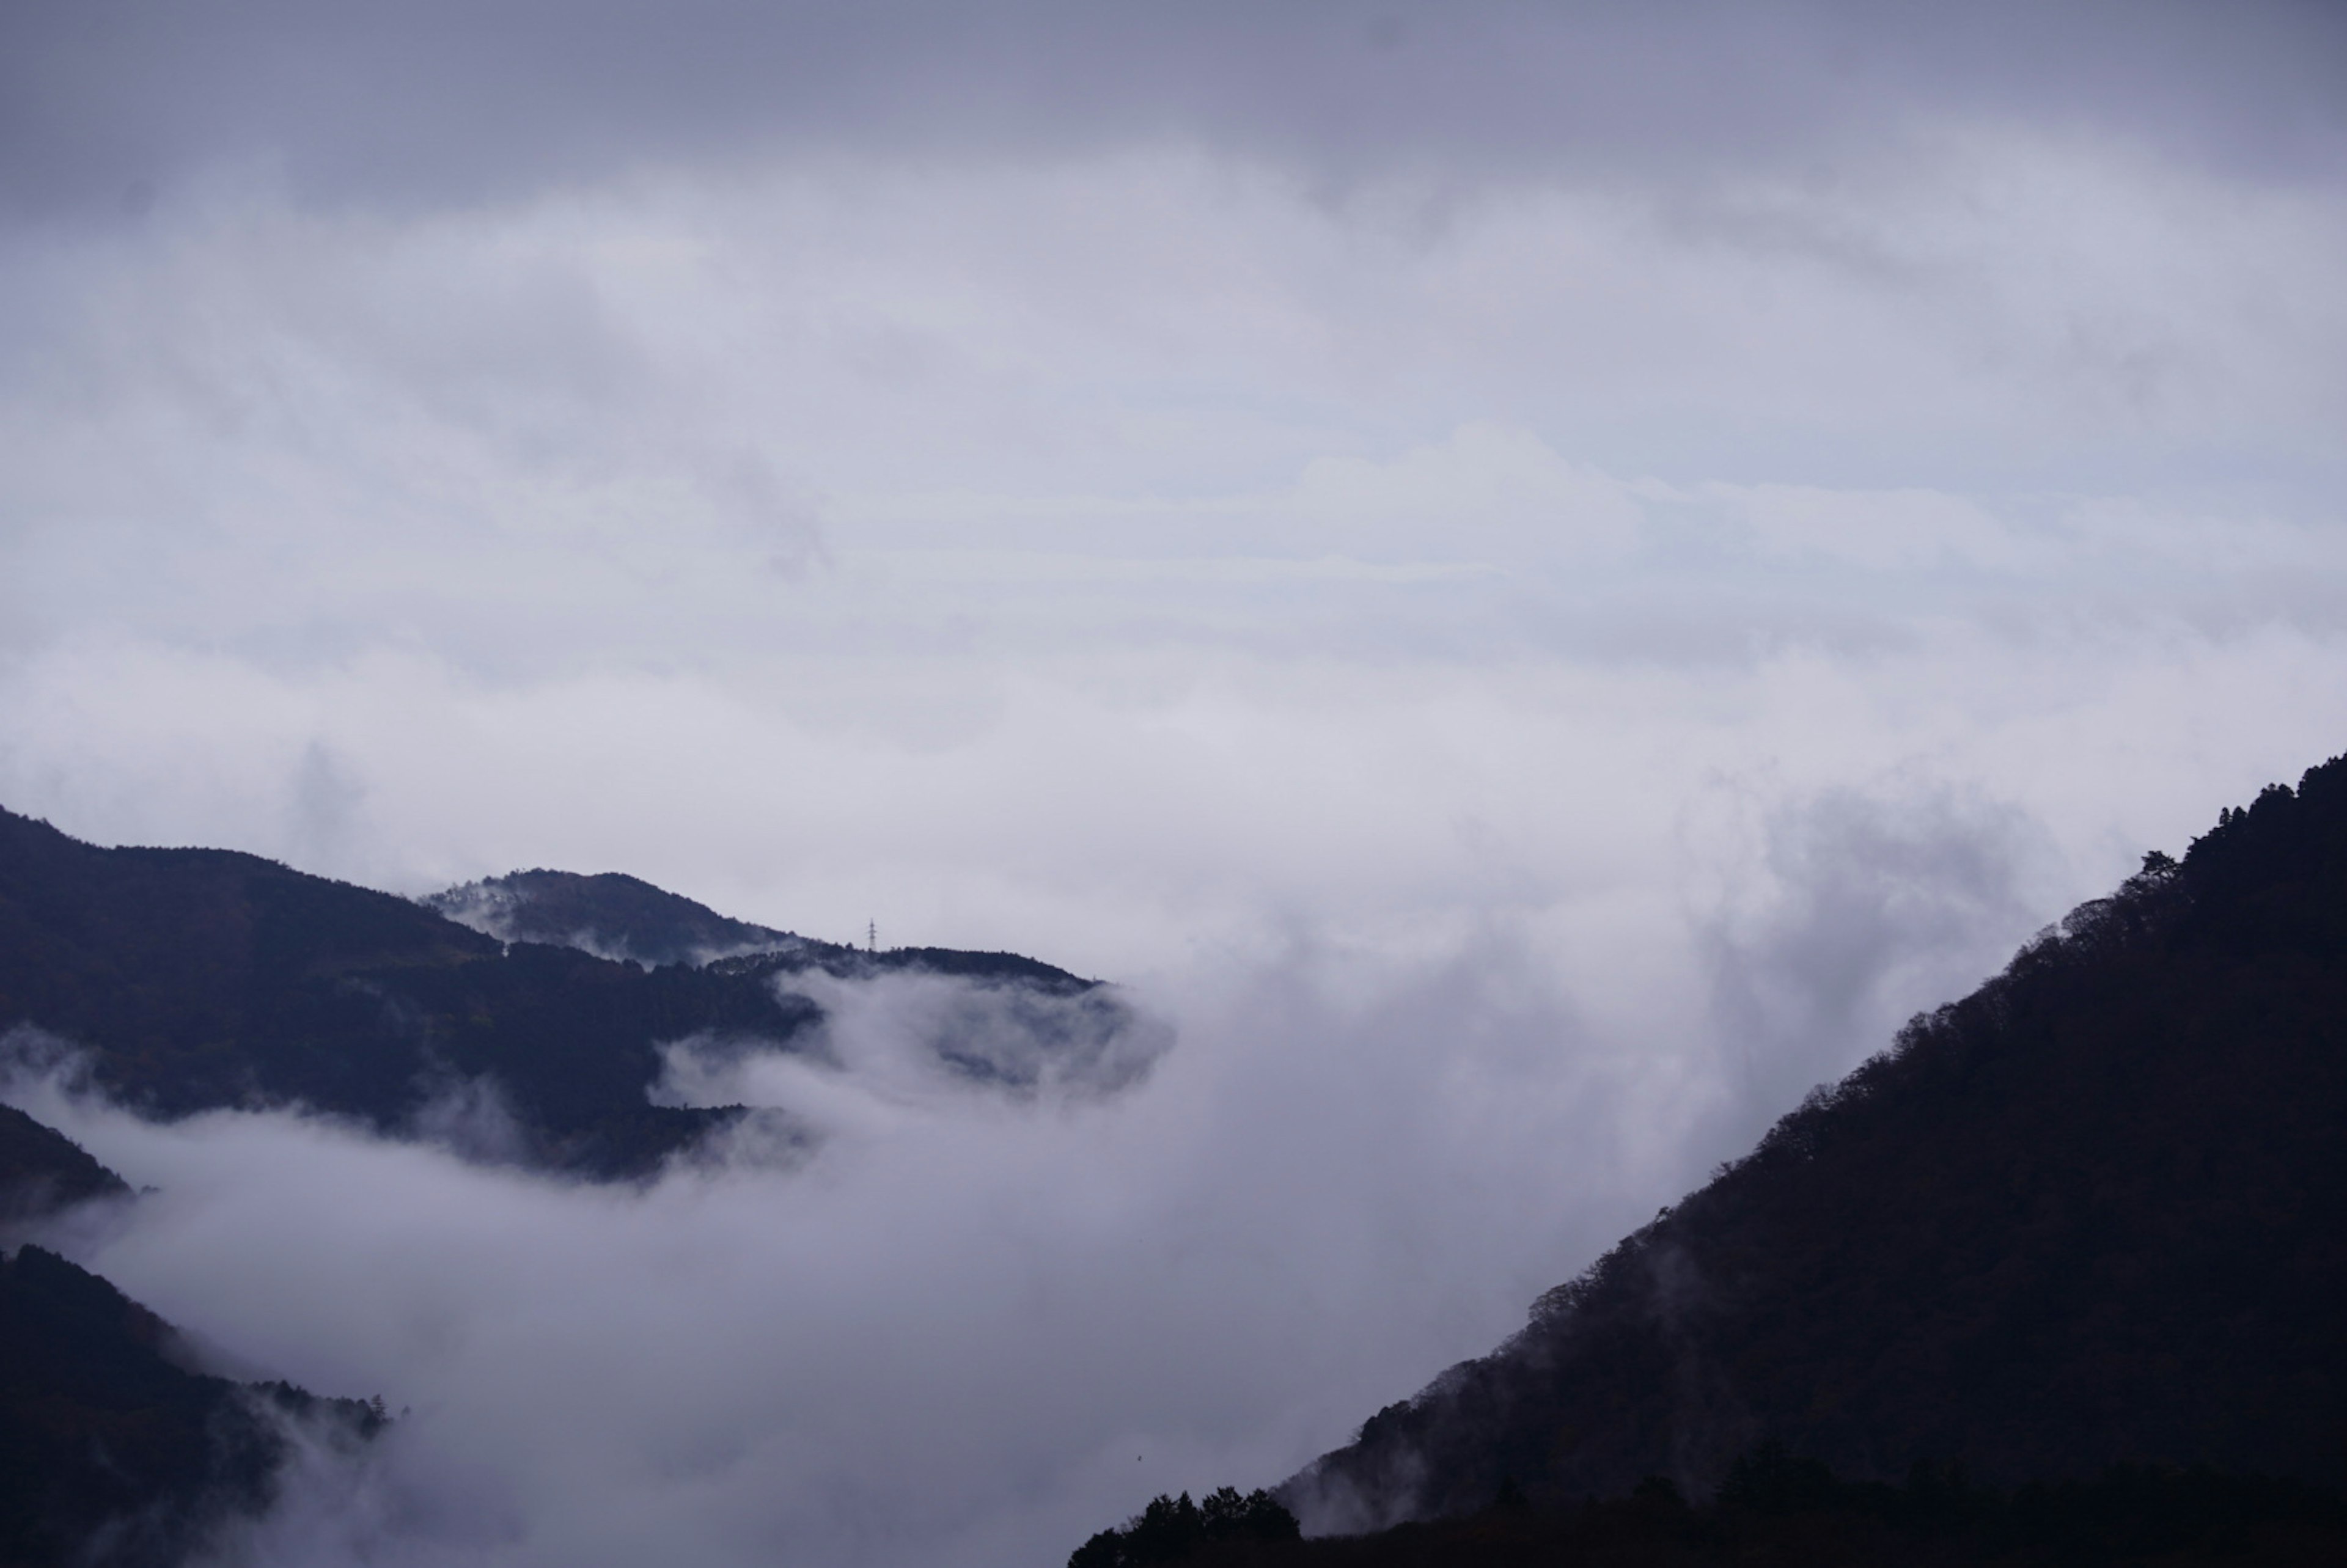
(972, 1324)
(1528, 585)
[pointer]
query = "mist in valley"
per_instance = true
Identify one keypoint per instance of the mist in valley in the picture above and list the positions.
(1526, 586)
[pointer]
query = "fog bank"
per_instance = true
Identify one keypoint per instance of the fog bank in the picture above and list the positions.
(973, 1325)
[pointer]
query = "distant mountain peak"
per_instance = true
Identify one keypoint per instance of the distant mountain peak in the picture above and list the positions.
(609, 913)
(626, 919)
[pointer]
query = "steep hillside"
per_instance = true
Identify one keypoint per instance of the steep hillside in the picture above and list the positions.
(42, 1170)
(1776, 1510)
(2095, 1211)
(112, 1450)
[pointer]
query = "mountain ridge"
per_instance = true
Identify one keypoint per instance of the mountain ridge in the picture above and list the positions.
(42, 1170)
(615, 915)
(117, 1443)
(2093, 1211)
(192, 979)
(114, 1446)
(609, 914)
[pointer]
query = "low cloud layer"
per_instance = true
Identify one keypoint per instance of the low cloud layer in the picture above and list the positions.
(1530, 579)
(970, 1327)
(913, 1033)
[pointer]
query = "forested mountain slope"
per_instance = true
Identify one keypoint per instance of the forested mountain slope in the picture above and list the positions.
(197, 978)
(112, 1450)
(203, 977)
(42, 1170)
(115, 1448)
(2095, 1211)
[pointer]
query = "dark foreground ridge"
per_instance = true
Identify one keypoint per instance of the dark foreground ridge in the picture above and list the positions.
(200, 978)
(43, 1171)
(1776, 1512)
(1176, 1529)
(2094, 1214)
(114, 1449)
(111, 1450)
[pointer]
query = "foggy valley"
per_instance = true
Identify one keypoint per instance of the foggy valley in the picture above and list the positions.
(886, 785)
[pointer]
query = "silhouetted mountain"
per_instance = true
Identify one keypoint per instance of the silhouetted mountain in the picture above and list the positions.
(609, 915)
(42, 1170)
(1017, 1021)
(1778, 1511)
(202, 978)
(197, 978)
(618, 917)
(2096, 1212)
(112, 1450)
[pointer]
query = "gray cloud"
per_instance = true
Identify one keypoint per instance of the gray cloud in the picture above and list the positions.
(1532, 577)
(1861, 909)
(435, 102)
(962, 1330)
(916, 1034)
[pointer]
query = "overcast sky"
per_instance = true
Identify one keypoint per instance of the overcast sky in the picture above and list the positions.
(1569, 565)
